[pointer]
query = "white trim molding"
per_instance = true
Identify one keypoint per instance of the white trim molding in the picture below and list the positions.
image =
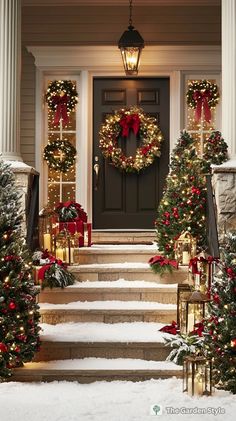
(154, 58)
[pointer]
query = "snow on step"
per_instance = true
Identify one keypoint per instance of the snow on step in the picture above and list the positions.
(108, 305)
(113, 266)
(122, 283)
(122, 364)
(102, 332)
(139, 248)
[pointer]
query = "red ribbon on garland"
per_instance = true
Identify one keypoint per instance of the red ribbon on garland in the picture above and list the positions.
(202, 99)
(61, 109)
(130, 121)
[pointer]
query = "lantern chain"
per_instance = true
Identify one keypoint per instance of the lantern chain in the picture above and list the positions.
(130, 12)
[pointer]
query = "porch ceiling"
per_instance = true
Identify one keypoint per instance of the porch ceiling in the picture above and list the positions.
(121, 3)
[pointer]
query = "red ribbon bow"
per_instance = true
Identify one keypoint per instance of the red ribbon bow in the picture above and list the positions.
(61, 109)
(130, 121)
(202, 99)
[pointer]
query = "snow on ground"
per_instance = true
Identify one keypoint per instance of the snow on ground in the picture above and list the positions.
(108, 305)
(103, 332)
(121, 283)
(104, 401)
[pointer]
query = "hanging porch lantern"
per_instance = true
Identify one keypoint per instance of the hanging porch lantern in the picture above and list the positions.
(131, 44)
(197, 376)
(185, 248)
(193, 310)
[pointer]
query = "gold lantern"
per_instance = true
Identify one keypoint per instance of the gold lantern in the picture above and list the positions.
(197, 376)
(185, 248)
(48, 221)
(193, 310)
(201, 271)
(66, 246)
(183, 292)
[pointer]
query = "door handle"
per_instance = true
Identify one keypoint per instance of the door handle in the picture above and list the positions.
(96, 168)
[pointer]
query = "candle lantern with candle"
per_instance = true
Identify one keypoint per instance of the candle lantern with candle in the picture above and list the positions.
(193, 310)
(48, 220)
(197, 376)
(185, 248)
(183, 292)
(201, 270)
(66, 246)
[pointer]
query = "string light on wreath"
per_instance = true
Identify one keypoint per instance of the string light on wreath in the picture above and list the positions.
(60, 155)
(61, 97)
(119, 124)
(202, 96)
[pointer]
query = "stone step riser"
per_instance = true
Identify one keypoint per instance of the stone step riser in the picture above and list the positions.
(93, 376)
(66, 296)
(123, 237)
(107, 275)
(111, 316)
(144, 351)
(86, 259)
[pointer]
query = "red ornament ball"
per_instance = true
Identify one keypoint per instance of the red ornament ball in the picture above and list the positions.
(12, 305)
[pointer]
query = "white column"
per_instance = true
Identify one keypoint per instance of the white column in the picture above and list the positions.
(229, 74)
(10, 74)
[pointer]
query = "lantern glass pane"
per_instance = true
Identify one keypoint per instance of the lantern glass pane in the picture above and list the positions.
(130, 56)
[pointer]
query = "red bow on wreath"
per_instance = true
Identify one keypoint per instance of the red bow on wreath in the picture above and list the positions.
(130, 121)
(202, 98)
(61, 109)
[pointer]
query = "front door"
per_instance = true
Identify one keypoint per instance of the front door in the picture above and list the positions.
(120, 200)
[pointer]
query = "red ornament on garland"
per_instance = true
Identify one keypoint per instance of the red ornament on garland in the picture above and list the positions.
(12, 305)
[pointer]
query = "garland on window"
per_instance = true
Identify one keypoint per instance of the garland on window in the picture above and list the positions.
(119, 124)
(60, 155)
(202, 96)
(61, 98)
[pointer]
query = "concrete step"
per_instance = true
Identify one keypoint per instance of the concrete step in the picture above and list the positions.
(109, 291)
(82, 340)
(108, 312)
(69, 350)
(123, 236)
(116, 253)
(129, 271)
(89, 370)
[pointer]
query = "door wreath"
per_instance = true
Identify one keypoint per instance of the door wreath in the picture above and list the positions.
(119, 123)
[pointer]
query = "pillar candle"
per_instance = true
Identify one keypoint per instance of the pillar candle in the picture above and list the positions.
(60, 254)
(47, 241)
(186, 258)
